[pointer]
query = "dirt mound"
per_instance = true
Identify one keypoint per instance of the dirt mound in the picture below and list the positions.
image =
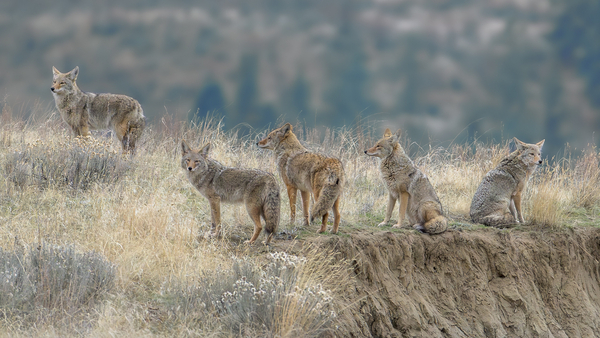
(482, 283)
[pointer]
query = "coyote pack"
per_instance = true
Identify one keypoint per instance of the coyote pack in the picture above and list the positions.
(497, 201)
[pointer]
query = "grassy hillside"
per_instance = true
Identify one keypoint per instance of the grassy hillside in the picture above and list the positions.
(126, 233)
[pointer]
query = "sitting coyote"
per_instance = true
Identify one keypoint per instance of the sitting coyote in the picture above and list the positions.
(497, 201)
(83, 111)
(257, 189)
(406, 182)
(308, 172)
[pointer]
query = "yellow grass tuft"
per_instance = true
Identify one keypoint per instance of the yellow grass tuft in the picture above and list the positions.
(548, 199)
(319, 278)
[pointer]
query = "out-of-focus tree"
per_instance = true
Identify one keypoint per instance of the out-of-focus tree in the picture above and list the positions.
(299, 99)
(210, 100)
(577, 39)
(347, 95)
(246, 105)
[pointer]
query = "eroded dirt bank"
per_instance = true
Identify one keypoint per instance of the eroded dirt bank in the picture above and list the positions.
(480, 283)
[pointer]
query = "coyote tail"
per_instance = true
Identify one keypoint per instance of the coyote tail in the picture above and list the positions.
(436, 225)
(271, 209)
(498, 220)
(329, 194)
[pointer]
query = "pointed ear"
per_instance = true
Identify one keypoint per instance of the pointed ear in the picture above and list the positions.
(204, 151)
(396, 136)
(387, 132)
(540, 144)
(73, 74)
(55, 71)
(185, 148)
(520, 144)
(285, 129)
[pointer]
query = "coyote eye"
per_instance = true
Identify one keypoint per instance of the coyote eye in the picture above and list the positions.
(62, 82)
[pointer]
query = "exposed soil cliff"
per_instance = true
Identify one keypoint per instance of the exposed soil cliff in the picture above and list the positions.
(481, 283)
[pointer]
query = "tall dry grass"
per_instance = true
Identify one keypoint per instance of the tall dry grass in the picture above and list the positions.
(52, 284)
(142, 215)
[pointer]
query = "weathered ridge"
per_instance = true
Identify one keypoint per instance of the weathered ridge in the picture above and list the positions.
(484, 283)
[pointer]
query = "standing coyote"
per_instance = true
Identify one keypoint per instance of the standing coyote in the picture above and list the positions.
(83, 111)
(405, 181)
(497, 201)
(257, 189)
(308, 172)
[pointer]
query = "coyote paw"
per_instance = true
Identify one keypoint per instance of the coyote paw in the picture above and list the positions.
(382, 224)
(248, 242)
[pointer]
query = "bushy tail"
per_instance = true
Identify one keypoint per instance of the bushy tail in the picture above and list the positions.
(134, 132)
(436, 225)
(271, 209)
(497, 220)
(329, 194)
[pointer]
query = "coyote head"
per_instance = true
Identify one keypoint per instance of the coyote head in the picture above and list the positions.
(386, 146)
(192, 160)
(64, 82)
(275, 137)
(530, 154)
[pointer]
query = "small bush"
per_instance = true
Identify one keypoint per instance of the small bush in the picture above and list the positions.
(49, 284)
(547, 196)
(72, 162)
(586, 180)
(276, 300)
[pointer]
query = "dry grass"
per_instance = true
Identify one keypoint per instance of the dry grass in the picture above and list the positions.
(52, 285)
(143, 216)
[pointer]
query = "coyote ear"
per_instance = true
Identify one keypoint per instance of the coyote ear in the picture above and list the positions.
(396, 136)
(55, 71)
(540, 144)
(204, 151)
(185, 148)
(519, 144)
(73, 74)
(387, 132)
(286, 128)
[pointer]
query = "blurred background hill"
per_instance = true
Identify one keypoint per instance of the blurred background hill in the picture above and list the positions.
(440, 70)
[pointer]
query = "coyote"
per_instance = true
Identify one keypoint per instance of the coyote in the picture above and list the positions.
(257, 189)
(406, 182)
(308, 172)
(497, 201)
(83, 111)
